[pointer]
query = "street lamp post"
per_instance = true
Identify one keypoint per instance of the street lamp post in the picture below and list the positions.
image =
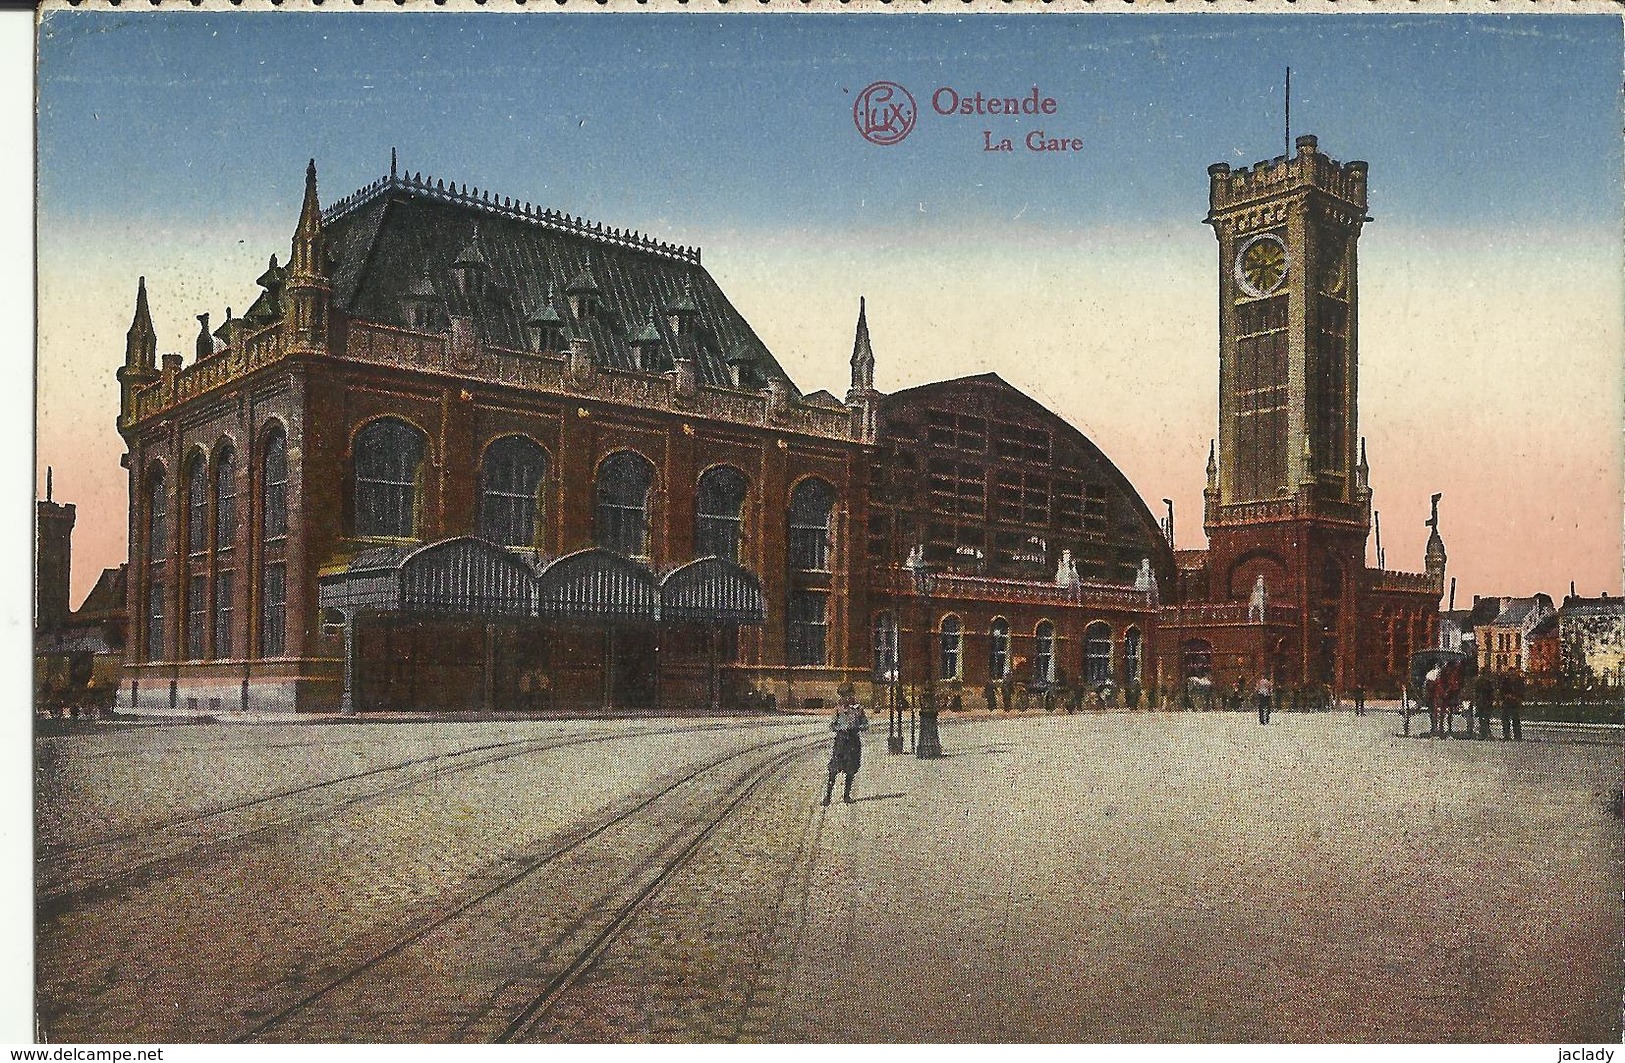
(929, 744)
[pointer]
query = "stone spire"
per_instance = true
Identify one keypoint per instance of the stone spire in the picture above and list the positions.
(1435, 548)
(308, 240)
(862, 397)
(863, 353)
(140, 366)
(141, 342)
(308, 288)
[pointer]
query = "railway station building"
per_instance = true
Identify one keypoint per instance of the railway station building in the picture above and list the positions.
(465, 453)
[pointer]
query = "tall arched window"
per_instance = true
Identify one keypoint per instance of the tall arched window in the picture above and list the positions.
(998, 656)
(196, 583)
(388, 459)
(886, 648)
(225, 536)
(510, 491)
(951, 637)
(622, 522)
(157, 515)
(1097, 652)
(157, 527)
(1131, 655)
(274, 486)
(197, 506)
(811, 507)
(1044, 652)
(719, 504)
(271, 623)
(225, 498)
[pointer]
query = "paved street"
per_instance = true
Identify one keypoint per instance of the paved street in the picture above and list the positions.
(1100, 877)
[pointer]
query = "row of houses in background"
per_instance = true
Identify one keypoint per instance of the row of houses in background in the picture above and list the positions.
(1578, 644)
(466, 453)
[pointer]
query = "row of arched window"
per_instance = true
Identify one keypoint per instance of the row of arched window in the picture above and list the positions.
(386, 494)
(388, 467)
(204, 564)
(951, 636)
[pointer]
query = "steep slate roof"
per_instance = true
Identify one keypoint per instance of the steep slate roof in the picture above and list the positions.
(1517, 609)
(1592, 606)
(385, 239)
(106, 598)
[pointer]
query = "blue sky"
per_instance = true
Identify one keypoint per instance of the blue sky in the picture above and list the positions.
(747, 119)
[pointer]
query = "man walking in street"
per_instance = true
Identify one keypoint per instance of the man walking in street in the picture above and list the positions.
(1484, 701)
(847, 754)
(1512, 689)
(1265, 693)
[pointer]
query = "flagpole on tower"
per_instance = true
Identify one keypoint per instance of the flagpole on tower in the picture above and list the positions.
(1288, 138)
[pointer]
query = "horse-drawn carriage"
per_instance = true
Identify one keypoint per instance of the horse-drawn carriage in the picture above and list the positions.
(1436, 684)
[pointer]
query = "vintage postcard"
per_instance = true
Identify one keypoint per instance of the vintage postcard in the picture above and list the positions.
(828, 525)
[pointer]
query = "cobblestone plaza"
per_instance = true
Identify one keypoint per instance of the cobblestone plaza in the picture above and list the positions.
(1102, 877)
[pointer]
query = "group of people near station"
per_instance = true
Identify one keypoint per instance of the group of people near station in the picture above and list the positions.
(1445, 685)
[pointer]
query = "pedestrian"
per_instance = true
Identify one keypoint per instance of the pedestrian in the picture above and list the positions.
(1240, 694)
(847, 754)
(1007, 685)
(1433, 694)
(1359, 700)
(1484, 701)
(1264, 693)
(990, 694)
(1512, 690)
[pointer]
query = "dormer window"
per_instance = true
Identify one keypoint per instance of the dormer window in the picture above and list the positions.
(582, 292)
(645, 343)
(682, 314)
(544, 328)
(469, 268)
(421, 304)
(742, 367)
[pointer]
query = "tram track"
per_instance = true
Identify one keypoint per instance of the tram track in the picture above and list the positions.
(149, 866)
(601, 917)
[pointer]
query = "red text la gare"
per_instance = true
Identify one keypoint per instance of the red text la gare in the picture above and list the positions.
(947, 101)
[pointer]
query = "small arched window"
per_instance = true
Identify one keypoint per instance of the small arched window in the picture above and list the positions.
(157, 515)
(811, 507)
(274, 486)
(225, 499)
(197, 506)
(719, 506)
(998, 657)
(510, 491)
(885, 648)
(1097, 652)
(1131, 655)
(622, 520)
(951, 637)
(388, 459)
(1044, 653)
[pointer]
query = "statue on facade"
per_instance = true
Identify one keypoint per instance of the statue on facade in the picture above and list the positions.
(1255, 607)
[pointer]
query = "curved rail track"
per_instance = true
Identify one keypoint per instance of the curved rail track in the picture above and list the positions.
(600, 918)
(137, 856)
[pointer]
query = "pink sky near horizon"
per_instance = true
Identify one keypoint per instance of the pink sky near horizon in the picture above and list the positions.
(1491, 366)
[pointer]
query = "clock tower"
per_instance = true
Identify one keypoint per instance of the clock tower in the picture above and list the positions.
(1282, 589)
(1288, 371)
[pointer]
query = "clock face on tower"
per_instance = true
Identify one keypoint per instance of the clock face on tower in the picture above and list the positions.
(1261, 265)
